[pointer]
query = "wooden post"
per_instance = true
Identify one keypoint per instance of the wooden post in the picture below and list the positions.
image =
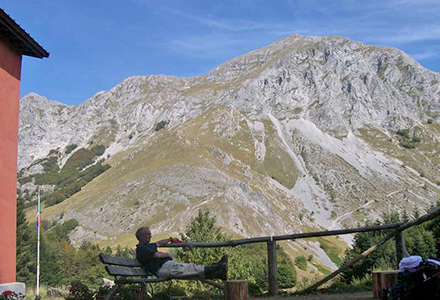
(236, 290)
(272, 267)
(383, 281)
(400, 246)
(143, 291)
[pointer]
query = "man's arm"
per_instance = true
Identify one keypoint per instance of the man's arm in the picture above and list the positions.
(162, 255)
(163, 242)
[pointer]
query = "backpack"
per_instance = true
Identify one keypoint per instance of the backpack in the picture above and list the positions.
(422, 284)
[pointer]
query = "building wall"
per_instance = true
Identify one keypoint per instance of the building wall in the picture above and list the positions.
(10, 69)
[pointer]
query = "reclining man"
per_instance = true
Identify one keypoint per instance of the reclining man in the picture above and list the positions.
(162, 265)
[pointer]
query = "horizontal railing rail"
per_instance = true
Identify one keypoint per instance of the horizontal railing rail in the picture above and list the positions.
(294, 236)
(397, 233)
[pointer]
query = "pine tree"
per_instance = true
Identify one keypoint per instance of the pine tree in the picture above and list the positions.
(202, 229)
(25, 248)
(245, 262)
(418, 239)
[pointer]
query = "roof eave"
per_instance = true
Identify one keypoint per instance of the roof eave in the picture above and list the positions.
(32, 48)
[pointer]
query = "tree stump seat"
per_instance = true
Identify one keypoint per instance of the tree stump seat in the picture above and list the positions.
(236, 290)
(383, 281)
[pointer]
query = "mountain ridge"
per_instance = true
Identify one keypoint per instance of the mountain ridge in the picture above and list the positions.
(308, 132)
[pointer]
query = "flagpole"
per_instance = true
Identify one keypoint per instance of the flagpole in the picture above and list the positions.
(38, 246)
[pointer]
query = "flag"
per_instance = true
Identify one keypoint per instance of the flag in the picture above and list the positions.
(38, 217)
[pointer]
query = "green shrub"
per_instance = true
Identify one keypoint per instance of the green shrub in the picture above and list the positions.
(161, 125)
(98, 150)
(407, 144)
(25, 180)
(53, 152)
(70, 148)
(51, 169)
(416, 139)
(301, 262)
(286, 271)
(79, 291)
(404, 133)
(362, 284)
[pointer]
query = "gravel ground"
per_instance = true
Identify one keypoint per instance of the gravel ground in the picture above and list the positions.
(346, 296)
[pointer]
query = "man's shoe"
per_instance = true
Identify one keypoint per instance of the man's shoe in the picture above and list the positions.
(218, 271)
(211, 272)
(223, 272)
(224, 259)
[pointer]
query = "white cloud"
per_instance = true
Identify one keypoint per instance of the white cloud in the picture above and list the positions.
(425, 55)
(389, 23)
(408, 35)
(234, 25)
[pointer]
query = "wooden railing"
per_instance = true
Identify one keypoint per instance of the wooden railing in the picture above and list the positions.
(271, 246)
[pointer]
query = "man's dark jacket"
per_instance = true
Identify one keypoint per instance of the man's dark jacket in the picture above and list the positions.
(145, 254)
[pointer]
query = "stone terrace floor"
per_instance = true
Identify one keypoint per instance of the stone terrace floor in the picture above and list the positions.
(346, 296)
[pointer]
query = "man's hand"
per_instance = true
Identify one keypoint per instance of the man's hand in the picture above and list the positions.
(162, 255)
(164, 242)
(177, 241)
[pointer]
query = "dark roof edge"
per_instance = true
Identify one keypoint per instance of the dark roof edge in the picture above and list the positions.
(32, 47)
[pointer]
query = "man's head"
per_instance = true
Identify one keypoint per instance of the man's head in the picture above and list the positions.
(143, 235)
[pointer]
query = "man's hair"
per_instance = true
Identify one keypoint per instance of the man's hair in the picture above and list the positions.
(140, 232)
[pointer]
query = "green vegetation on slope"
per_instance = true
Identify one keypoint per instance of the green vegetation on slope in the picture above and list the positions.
(406, 140)
(418, 147)
(228, 130)
(79, 169)
(332, 250)
(301, 262)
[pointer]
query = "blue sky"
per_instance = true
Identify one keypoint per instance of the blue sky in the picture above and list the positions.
(95, 44)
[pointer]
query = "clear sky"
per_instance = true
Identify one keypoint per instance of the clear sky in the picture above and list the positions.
(95, 44)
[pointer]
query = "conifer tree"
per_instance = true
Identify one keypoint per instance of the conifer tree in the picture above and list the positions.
(245, 262)
(419, 240)
(26, 244)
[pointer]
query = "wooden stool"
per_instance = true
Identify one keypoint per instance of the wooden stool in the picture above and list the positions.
(236, 290)
(383, 280)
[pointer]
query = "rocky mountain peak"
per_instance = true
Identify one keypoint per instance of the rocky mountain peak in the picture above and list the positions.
(337, 84)
(294, 134)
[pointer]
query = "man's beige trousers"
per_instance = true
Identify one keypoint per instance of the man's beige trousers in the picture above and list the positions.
(172, 269)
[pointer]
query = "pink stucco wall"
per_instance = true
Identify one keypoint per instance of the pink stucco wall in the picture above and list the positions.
(10, 69)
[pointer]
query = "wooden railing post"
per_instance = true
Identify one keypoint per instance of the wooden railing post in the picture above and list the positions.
(400, 246)
(272, 267)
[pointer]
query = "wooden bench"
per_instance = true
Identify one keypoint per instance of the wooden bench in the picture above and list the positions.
(129, 271)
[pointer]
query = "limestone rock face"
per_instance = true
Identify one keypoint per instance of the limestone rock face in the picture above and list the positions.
(299, 134)
(337, 84)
